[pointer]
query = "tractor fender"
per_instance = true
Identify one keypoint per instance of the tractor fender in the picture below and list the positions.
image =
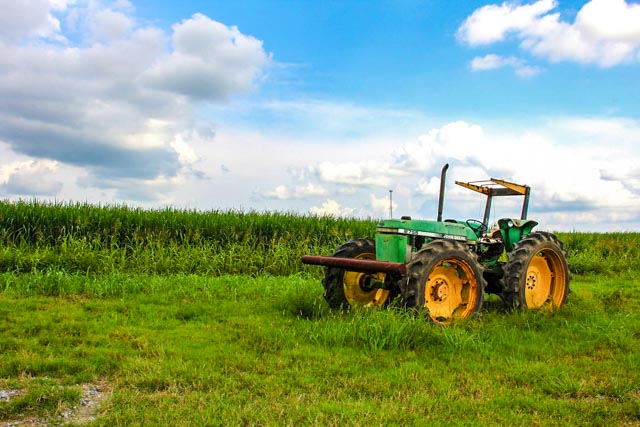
(513, 230)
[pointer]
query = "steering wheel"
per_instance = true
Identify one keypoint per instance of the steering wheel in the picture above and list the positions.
(477, 226)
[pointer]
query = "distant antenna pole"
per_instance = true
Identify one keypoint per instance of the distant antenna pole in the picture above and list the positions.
(390, 203)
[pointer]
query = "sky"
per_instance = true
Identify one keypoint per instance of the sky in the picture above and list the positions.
(325, 107)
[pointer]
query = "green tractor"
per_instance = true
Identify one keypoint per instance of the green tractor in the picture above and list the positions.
(445, 266)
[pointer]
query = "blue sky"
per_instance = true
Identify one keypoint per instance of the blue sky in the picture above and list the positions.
(406, 54)
(323, 107)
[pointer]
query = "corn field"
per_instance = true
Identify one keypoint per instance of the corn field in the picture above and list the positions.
(98, 239)
(84, 238)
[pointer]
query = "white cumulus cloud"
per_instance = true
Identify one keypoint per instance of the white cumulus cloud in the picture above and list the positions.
(310, 190)
(452, 140)
(578, 169)
(353, 173)
(605, 32)
(492, 23)
(492, 61)
(380, 206)
(26, 18)
(209, 60)
(92, 87)
(331, 208)
(30, 178)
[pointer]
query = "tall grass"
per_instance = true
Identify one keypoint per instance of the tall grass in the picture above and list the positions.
(83, 238)
(602, 252)
(105, 226)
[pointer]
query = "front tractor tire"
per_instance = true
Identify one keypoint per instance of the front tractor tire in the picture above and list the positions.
(536, 274)
(445, 279)
(344, 289)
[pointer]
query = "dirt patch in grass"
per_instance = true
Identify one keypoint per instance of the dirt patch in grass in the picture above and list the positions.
(84, 411)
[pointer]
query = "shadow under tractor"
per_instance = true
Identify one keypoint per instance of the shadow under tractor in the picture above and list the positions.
(444, 267)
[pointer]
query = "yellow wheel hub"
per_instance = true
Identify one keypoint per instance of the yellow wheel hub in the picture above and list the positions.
(545, 280)
(358, 288)
(451, 291)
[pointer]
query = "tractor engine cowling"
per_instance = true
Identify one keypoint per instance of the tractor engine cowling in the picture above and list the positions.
(398, 239)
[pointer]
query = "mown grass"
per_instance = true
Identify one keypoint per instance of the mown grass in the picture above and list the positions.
(237, 350)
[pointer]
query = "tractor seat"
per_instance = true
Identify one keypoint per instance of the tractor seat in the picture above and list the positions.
(494, 233)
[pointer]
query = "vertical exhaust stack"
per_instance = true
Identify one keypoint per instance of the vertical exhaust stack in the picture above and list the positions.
(443, 176)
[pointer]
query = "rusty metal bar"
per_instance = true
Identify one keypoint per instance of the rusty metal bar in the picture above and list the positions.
(360, 265)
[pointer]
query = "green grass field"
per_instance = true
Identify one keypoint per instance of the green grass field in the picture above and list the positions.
(104, 331)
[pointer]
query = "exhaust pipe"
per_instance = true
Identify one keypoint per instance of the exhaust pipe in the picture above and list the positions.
(443, 175)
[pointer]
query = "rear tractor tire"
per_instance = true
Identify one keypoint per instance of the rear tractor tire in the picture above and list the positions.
(445, 279)
(537, 273)
(344, 289)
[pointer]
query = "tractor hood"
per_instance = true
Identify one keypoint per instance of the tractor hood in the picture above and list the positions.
(450, 230)
(398, 239)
